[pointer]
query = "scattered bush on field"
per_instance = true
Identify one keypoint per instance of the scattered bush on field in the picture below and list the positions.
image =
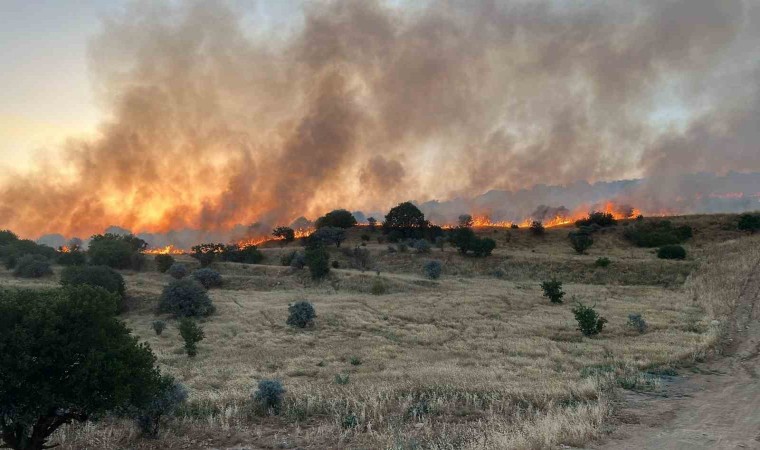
(600, 218)
(248, 254)
(342, 378)
(433, 269)
(15, 249)
(580, 241)
(361, 259)
(589, 321)
(171, 396)
(339, 218)
(537, 228)
(191, 333)
(285, 234)
(657, 233)
(269, 396)
(422, 246)
(117, 251)
(465, 221)
(366, 237)
(671, 252)
(378, 287)
(178, 271)
(329, 235)
(32, 266)
(301, 314)
(96, 276)
(749, 222)
(72, 257)
(163, 262)
(465, 240)
(349, 421)
(355, 361)
(158, 326)
(206, 253)
(602, 262)
(317, 259)
(185, 298)
(514, 226)
(636, 322)
(553, 290)
(207, 277)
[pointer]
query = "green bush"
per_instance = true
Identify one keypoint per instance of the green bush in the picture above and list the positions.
(285, 234)
(335, 264)
(185, 298)
(749, 222)
(602, 262)
(68, 359)
(317, 259)
(671, 252)
(158, 326)
(208, 278)
(119, 252)
(378, 287)
(178, 271)
(339, 218)
(537, 228)
(207, 253)
(301, 314)
(465, 240)
(553, 290)
(657, 233)
(72, 258)
(32, 266)
(433, 269)
(163, 262)
(96, 276)
(269, 395)
(589, 321)
(191, 333)
(599, 218)
(342, 378)
(7, 237)
(171, 396)
(637, 322)
(248, 254)
(580, 241)
(15, 249)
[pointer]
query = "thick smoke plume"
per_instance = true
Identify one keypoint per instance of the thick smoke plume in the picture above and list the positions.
(212, 123)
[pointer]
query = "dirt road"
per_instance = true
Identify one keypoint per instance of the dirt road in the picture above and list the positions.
(717, 407)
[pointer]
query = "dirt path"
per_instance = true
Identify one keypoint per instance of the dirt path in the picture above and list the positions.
(717, 407)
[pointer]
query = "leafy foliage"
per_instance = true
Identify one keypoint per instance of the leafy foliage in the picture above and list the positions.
(208, 278)
(637, 322)
(329, 235)
(537, 228)
(248, 254)
(433, 269)
(600, 218)
(185, 298)
(163, 262)
(178, 270)
(372, 223)
(73, 257)
(602, 262)
(96, 276)
(269, 395)
(465, 220)
(206, 253)
(170, 397)
(553, 290)
(285, 233)
(117, 251)
(7, 237)
(301, 314)
(317, 259)
(465, 240)
(158, 326)
(191, 333)
(580, 240)
(32, 266)
(657, 233)
(421, 245)
(378, 287)
(67, 359)
(589, 321)
(15, 249)
(749, 222)
(671, 252)
(339, 218)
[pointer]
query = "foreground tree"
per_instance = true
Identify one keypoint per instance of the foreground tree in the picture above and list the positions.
(65, 357)
(405, 215)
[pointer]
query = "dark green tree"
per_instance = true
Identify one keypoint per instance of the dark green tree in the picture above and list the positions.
(749, 222)
(96, 276)
(404, 216)
(317, 259)
(339, 218)
(286, 234)
(191, 333)
(163, 262)
(580, 240)
(207, 253)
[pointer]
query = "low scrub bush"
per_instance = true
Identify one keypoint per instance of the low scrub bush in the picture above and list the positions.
(335, 264)
(163, 262)
(171, 396)
(248, 254)
(317, 259)
(72, 258)
(537, 228)
(269, 396)
(599, 218)
(422, 246)
(185, 298)
(553, 290)
(580, 241)
(287, 257)
(32, 266)
(465, 240)
(749, 222)
(657, 233)
(433, 269)
(11, 252)
(191, 333)
(158, 326)
(636, 322)
(378, 287)
(590, 323)
(178, 271)
(206, 253)
(301, 314)
(602, 262)
(209, 278)
(117, 251)
(342, 378)
(671, 252)
(98, 276)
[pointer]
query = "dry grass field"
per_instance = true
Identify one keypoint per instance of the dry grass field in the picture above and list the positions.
(475, 359)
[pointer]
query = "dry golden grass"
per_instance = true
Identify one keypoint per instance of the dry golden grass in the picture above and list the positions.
(477, 359)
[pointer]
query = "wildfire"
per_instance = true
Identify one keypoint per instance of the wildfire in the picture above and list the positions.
(618, 212)
(168, 250)
(64, 249)
(299, 233)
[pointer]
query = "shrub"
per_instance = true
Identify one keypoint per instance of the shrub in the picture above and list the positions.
(163, 262)
(298, 261)
(208, 278)
(171, 396)
(749, 222)
(191, 333)
(178, 271)
(185, 298)
(432, 269)
(286, 234)
(335, 264)
(269, 395)
(11, 252)
(483, 247)
(366, 237)
(602, 262)
(514, 226)
(600, 218)
(671, 252)
(248, 254)
(349, 421)
(119, 252)
(553, 290)
(342, 378)
(422, 246)
(68, 359)
(361, 259)
(96, 276)
(465, 240)
(317, 259)
(301, 314)
(580, 241)
(329, 235)
(7, 237)
(402, 247)
(355, 361)
(339, 218)
(589, 321)
(159, 326)
(72, 258)
(465, 221)
(657, 234)
(404, 217)
(440, 242)
(32, 266)
(636, 322)
(537, 228)
(207, 253)
(378, 287)
(287, 257)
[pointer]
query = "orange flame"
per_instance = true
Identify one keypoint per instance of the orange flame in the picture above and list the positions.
(168, 250)
(299, 233)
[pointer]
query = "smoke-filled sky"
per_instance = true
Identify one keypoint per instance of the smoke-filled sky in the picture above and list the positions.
(208, 114)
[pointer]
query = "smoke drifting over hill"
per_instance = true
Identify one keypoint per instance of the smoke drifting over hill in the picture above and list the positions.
(212, 124)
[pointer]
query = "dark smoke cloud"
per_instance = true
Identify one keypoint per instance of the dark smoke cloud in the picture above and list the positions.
(365, 104)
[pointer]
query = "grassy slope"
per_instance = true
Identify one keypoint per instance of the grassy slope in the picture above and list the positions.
(478, 359)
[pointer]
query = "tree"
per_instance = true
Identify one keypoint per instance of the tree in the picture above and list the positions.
(114, 253)
(372, 223)
(7, 236)
(67, 359)
(580, 241)
(589, 321)
(404, 216)
(286, 234)
(191, 333)
(465, 220)
(330, 235)
(163, 262)
(553, 290)
(185, 298)
(600, 218)
(317, 259)
(206, 253)
(95, 276)
(463, 238)
(339, 218)
(749, 222)
(537, 228)
(32, 266)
